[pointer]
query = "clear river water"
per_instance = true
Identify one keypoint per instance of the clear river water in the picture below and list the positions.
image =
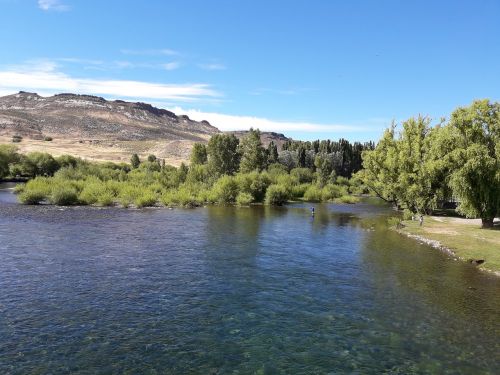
(226, 290)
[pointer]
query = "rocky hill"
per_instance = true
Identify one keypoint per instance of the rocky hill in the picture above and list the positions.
(91, 117)
(95, 128)
(265, 137)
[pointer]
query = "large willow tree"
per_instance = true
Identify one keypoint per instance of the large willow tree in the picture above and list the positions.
(420, 166)
(475, 179)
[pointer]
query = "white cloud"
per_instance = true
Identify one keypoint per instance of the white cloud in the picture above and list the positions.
(232, 122)
(44, 77)
(55, 5)
(212, 66)
(172, 65)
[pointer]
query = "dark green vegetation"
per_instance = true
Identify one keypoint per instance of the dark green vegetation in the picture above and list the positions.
(423, 167)
(225, 172)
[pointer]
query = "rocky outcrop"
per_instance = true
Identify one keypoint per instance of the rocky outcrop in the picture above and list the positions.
(91, 117)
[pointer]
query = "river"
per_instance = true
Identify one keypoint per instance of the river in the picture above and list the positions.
(226, 290)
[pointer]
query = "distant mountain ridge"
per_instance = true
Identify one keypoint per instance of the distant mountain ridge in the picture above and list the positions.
(85, 116)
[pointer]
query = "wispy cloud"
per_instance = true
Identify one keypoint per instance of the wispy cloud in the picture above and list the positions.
(45, 77)
(54, 5)
(212, 66)
(231, 122)
(150, 52)
(172, 65)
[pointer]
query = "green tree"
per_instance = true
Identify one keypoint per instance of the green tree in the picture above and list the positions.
(199, 154)
(324, 169)
(381, 167)
(301, 154)
(135, 161)
(223, 155)
(38, 164)
(8, 156)
(253, 155)
(475, 179)
(151, 158)
(272, 153)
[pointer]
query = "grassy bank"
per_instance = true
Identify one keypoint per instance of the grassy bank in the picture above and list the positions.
(464, 237)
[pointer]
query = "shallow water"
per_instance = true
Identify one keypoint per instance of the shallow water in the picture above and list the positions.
(222, 290)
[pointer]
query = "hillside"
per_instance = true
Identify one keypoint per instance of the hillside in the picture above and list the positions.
(265, 137)
(95, 128)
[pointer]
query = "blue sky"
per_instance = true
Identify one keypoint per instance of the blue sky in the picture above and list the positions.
(311, 69)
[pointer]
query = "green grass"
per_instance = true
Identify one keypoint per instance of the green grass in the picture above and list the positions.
(464, 237)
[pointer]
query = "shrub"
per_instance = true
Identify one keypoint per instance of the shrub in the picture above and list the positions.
(253, 183)
(225, 190)
(68, 161)
(106, 199)
(146, 199)
(303, 175)
(349, 199)
(330, 192)
(313, 194)
(128, 194)
(47, 139)
(244, 199)
(277, 195)
(407, 214)
(91, 192)
(298, 191)
(35, 191)
(197, 173)
(33, 196)
(16, 138)
(63, 195)
(394, 221)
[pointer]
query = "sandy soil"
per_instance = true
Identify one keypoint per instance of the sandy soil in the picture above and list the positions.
(173, 152)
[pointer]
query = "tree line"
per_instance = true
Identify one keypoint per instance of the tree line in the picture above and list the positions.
(419, 166)
(224, 154)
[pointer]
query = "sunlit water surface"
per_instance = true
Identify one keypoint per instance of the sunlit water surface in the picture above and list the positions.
(221, 290)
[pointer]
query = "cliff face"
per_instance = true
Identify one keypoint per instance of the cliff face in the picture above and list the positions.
(90, 117)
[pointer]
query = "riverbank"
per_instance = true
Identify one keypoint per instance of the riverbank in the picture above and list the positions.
(462, 238)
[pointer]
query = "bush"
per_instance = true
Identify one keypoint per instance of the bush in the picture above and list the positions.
(106, 199)
(128, 194)
(32, 196)
(146, 199)
(197, 173)
(91, 192)
(277, 195)
(16, 138)
(303, 175)
(313, 194)
(253, 183)
(349, 199)
(182, 197)
(298, 191)
(62, 195)
(330, 192)
(225, 190)
(244, 199)
(394, 221)
(47, 139)
(407, 214)
(35, 191)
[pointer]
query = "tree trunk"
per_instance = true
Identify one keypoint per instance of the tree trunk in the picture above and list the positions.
(487, 222)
